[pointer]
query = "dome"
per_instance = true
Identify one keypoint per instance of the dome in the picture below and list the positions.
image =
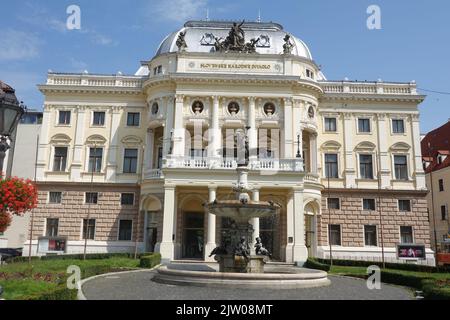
(200, 37)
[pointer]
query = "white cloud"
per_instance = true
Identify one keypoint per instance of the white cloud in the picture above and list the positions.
(178, 10)
(78, 65)
(101, 39)
(18, 45)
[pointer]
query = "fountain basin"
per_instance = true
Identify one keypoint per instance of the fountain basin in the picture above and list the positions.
(242, 212)
(236, 264)
(287, 278)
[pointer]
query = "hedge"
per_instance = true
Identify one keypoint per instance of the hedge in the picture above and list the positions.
(91, 256)
(150, 261)
(314, 264)
(60, 293)
(397, 266)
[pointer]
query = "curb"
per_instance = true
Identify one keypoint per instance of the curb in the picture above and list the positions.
(80, 294)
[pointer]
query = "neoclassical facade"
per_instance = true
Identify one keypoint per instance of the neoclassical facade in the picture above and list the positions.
(129, 161)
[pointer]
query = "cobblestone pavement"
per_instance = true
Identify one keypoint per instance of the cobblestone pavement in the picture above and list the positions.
(139, 286)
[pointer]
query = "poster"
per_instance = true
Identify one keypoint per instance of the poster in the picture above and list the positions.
(411, 252)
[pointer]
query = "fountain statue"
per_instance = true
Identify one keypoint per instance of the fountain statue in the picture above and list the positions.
(235, 255)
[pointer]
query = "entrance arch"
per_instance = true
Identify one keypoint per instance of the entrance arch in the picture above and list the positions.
(152, 208)
(193, 228)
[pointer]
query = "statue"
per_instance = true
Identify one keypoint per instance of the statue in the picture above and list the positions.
(181, 42)
(251, 46)
(288, 46)
(237, 35)
(260, 250)
(219, 251)
(242, 249)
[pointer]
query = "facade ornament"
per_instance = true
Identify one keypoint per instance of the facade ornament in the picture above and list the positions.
(181, 42)
(288, 46)
(235, 42)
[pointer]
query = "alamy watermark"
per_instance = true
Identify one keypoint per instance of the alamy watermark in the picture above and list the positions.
(374, 280)
(374, 19)
(74, 18)
(74, 280)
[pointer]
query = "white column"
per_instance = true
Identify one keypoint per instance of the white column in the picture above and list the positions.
(111, 166)
(169, 107)
(77, 161)
(149, 150)
(313, 152)
(383, 161)
(44, 146)
(253, 132)
(211, 243)
(290, 229)
(167, 246)
(255, 221)
(288, 130)
(214, 132)
(349, 130)
(419, 174)
(300, 252)
(178, 130)
(297, 130)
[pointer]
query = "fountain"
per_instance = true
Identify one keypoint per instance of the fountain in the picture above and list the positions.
(239, 264)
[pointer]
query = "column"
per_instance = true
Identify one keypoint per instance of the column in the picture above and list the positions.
(349, 130)
(170, 109)
(255, 221)
(253, 132)
(149, 150)
(167, 246)
(383, 161)
(44, 147)
(77, 161)
(289, 230)
(288, 129)
(111, 166)
(419, 174)
(178, 128)
(300, 252)
(214, 131)
(313, 152)
(211, 243)
(297, 118)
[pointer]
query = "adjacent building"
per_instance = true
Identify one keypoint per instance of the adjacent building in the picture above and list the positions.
(436, 159)
(128, 161)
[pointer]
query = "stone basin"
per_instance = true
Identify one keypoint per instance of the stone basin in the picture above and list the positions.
(243, 212)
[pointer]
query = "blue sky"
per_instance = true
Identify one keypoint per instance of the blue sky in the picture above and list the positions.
(413, 43)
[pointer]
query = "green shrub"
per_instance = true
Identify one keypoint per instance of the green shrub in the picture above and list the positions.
(150, 261)
(401, 279)
(432, 290)
(60, 293)
(314, 264)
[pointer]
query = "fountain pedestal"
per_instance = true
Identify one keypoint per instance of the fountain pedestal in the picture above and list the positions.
(237, 264)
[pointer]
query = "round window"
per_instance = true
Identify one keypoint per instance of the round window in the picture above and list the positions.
(155, 108)
(197, 107)
(233, 108)
(269, 109)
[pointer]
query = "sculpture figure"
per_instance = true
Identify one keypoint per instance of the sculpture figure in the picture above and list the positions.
(288, 46)
(242, 249)
(237, 35)
(251, 46)
(181, 42)
(260, 250)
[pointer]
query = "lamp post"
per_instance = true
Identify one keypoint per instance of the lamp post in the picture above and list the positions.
(10, 113)
(299, 154)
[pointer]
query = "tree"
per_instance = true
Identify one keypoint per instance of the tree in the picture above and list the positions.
(17, 196)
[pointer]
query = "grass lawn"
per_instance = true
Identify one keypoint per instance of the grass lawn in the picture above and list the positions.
(20, 280)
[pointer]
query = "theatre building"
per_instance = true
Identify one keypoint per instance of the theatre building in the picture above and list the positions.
(130, 160)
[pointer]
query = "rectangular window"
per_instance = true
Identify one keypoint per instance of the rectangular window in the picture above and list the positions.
(398, 126)
(369, 204)
(89, 229)
(91, 198)
(366, 166)
(133, 119)
(331, 166)
(95, 160)
(404, 205)
(406, 235)
(370, 236)
(98, 119)
(125, 230)
(441, 185)
(335, 234)
(330, 125)
(444, 213)
(401, 167)
(130, 161)
(64, 117)
(127, 199)
(333, 203)
(364, 125)
(60, 159)
(52, 227)
(55, 197)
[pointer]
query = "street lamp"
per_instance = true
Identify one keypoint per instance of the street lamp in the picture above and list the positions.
(10, 113)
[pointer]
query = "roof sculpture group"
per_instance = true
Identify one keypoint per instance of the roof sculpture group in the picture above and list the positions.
(235, 42)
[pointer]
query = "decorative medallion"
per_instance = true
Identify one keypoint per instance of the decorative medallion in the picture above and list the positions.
(269, 109)
(191, 64)
(264, 41)
(233, 108)
(198, 107)
(311, 112)
(208, 39)
(155, 108)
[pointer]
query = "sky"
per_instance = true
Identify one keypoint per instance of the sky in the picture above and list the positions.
(412, 44)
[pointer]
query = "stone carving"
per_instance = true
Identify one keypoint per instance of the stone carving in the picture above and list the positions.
(242, 249)
(181, 42)
(251, 46)
(260, 250)
(288, 46)
(235, 41)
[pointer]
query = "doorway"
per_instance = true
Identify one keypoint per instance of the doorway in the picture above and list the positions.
(193, 235)
(310, 235)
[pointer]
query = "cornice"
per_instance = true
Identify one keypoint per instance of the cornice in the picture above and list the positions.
(348, 97)
(89, 89)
